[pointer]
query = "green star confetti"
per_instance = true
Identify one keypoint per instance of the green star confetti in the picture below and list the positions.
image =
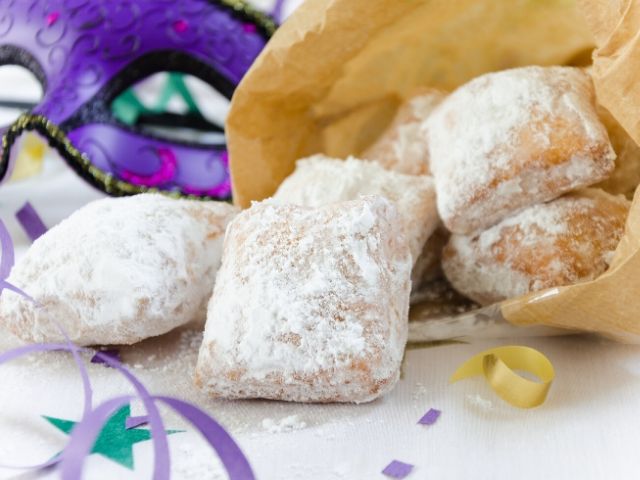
(115, 442)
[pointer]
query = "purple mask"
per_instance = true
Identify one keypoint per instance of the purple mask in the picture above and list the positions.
(87, 52)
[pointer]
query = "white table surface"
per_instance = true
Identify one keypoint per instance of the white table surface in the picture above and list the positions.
(589, 428)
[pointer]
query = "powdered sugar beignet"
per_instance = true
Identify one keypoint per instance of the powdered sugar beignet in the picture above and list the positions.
(568, 240)
(403, 146)
(119, 270)
(514, 138)
(320, 180)
(309, 305)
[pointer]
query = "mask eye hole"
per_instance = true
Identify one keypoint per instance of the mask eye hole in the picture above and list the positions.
(174, 106)
(20, 91)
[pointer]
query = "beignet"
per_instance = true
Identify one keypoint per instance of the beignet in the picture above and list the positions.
(119, 270)
(320, 180)
(511, 139)
(403, 145)
(568, 240)
(310, 305)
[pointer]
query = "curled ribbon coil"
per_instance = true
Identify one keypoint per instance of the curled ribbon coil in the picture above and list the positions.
(86, 431)
(498, 365)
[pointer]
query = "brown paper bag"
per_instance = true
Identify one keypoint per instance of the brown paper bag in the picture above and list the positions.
(332, 77)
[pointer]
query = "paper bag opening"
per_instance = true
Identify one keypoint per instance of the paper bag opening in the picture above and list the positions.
(334, 74)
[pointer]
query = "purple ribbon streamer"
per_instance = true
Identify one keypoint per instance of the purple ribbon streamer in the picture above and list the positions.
(134, 422)
(277, 12)
(7, 261)
(31, 221)
(74, 455)
(85, 433)
(86, 384)
(232, 458)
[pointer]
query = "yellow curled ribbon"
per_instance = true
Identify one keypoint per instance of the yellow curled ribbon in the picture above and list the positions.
(498, 365)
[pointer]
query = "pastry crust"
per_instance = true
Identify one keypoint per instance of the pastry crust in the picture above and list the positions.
(511, 139)
(568, 240)
(119, 270)
(321, 180)
(403, 146)
(310, 305)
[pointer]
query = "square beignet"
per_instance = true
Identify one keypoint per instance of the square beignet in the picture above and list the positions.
(119, 270)
(310, 305)
(402, 147)
(568, 240)
(511, 139)
(320, 180)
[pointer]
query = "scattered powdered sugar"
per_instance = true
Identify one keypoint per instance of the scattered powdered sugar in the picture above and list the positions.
(189, 463)
(478, 401)
(286, 424)
(420, 392)
(119, 270)
(320, 180)
(565, 241)
(511, 139)
(309, 304)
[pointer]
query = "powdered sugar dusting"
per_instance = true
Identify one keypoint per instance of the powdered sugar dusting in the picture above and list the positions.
(403, 146)
(309, 304)
(320, 180)
(511, 139)
(286, 424)
(119, 270)
(562, 242)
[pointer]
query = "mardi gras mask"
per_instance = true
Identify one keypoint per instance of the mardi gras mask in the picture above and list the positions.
(86, 53)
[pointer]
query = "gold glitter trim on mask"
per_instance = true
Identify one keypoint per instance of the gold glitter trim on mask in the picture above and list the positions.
(80, 162)
(261, 19)
(77, 160)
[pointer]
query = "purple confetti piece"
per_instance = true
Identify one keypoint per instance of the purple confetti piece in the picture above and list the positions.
(112, 353)
(134, 422)
(430, 417)
(397, 469)
(31, 221)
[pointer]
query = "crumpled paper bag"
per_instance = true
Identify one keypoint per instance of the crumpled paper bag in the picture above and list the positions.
(333, 75)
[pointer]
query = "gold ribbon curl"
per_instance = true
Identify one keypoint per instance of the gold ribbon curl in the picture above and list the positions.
(498, 365)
